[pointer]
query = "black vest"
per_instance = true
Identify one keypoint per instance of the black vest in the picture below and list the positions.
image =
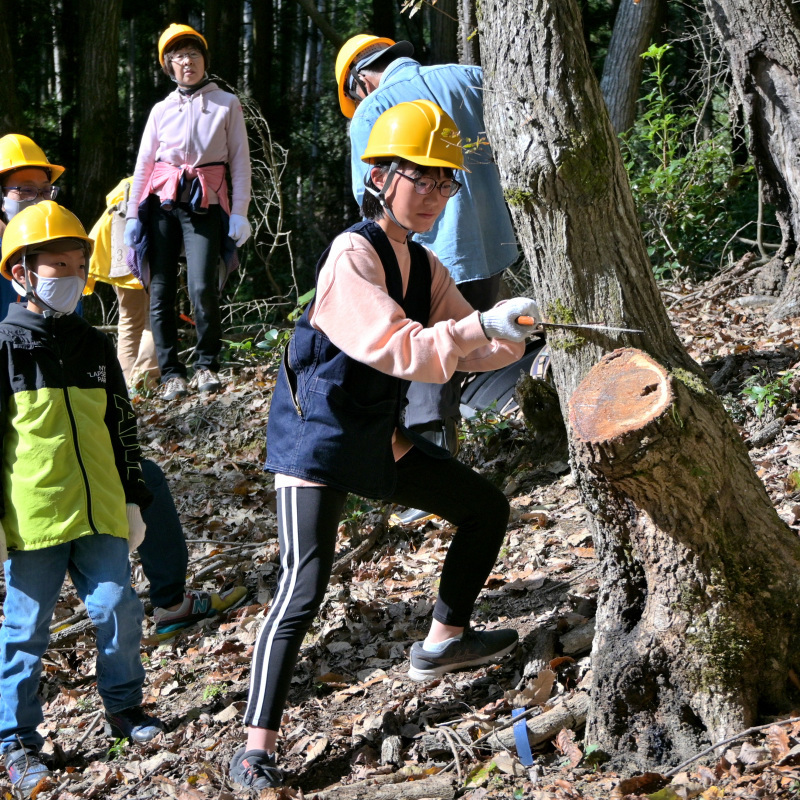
(331, 418)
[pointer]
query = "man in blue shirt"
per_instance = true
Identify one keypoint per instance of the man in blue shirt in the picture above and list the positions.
(474, 237)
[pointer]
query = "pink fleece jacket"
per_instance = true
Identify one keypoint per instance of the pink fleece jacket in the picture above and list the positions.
(353, 309)
(190, 130)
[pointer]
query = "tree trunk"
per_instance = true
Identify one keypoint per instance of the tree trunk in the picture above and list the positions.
(762, 42)
(695, 563)
(444, 32)
(223, 30)
(98, 169)
(10, 111)
(622, 70)
(469, 48)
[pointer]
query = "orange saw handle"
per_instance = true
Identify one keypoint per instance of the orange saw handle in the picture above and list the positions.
(523, 320)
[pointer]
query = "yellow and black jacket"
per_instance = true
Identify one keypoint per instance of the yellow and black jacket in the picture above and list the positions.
(70, 456)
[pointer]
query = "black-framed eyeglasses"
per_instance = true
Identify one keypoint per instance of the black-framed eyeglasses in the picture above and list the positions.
(192, 55)
(31, 192)
(425, 185)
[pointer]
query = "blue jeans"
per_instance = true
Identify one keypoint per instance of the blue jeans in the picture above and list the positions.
(99, 567)
(163, 552)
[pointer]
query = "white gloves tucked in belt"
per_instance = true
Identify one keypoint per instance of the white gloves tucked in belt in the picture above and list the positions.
(500, 322)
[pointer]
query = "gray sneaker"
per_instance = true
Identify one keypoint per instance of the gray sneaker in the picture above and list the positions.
(255, 769)
(204, 380)
(25, 769)
(174, 388)
(471, 650)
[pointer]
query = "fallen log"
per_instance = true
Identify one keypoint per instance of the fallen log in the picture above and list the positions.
(437, 787)
(570, 713)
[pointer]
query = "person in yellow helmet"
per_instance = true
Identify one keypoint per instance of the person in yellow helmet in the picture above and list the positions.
(72, 487)
(474, 236)
(180, 197)
(135, 347)
(385, 312)
(26, 177)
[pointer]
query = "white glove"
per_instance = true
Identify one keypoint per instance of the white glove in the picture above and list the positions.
(500, 322)
(129, 237)
(136, 526)
(239, 229)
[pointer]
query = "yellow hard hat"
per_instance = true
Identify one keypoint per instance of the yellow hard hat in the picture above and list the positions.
(418, 131)
(363, 49)
(18, 151)
(172, 33)
(37, 224)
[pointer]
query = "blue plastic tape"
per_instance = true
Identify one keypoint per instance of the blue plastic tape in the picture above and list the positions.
(521, 738)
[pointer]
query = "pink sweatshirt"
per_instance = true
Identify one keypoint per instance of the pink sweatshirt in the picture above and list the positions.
(190, 130)
(353, 308)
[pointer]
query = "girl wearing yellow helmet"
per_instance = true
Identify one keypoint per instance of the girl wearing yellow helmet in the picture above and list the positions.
(386, 312)
(26, 178)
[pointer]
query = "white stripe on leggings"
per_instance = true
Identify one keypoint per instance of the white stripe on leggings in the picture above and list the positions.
(288, 582)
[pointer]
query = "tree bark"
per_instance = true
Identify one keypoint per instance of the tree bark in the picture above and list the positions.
(98, 170)
(469, 48)
(695, 562)
(444, 32)
(762, 41)
(10, 111)
(622, 70)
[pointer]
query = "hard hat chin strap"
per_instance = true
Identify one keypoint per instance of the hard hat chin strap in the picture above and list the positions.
(380, 196)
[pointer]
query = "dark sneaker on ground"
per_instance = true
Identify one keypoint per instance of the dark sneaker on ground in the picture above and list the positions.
(134, 724)
(174, 388)
(25, 769)
(255, 769)
(410, 516)
(196, 605)
(471, 650)
(204, 380)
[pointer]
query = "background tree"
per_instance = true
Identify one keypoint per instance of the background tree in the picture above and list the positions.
(97, 94)
(762, 42)
(10, 112)
(622, 71)
(694, 559)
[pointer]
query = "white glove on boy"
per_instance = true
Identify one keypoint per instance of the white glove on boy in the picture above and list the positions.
(136, 526)
(500, 322)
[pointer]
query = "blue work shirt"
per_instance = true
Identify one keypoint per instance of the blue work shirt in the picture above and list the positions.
(473, 237)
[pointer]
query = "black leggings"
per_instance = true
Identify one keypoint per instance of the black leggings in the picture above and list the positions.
(308, 518)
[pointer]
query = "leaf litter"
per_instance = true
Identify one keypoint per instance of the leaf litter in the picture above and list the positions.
(355, 725)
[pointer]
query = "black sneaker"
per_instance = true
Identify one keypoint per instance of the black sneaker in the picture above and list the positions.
(255, 769)
(25, 769)
(134, 724)
(471, 650)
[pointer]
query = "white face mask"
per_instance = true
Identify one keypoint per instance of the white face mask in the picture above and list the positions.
(60, 294)
(12, 207)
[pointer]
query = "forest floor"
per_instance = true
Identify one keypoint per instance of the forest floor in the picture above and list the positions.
(355, 725)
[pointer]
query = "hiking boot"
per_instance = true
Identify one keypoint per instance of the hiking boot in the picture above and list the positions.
(174, 388)
(25, 768)
(196, 605)
(471, 650)
(255, 769)
(134, 724)
(205, 381)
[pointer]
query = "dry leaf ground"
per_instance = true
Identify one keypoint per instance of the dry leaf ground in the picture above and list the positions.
(353, 716)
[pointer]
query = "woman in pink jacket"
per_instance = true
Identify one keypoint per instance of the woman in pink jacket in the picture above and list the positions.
(193, 138)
